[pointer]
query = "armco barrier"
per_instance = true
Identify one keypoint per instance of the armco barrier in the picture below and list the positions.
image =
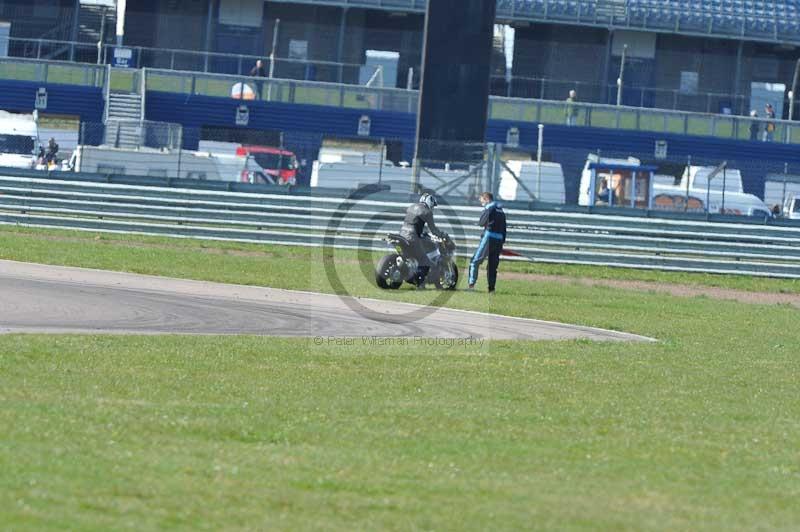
(555, 236)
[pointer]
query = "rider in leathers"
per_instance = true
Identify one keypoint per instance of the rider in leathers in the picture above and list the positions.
(418, 216)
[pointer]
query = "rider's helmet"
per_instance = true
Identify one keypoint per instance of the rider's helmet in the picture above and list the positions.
(429, 200)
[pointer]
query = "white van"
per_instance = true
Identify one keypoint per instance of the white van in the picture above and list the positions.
(694, 190)
(791, 208)
(546, 182)
(779, 187)
(166, 163)
(729, 178)
(19, 137)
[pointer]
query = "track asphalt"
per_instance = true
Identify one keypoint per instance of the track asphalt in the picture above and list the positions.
(37, 298)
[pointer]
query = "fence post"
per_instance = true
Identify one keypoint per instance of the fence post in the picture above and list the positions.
(539, 148)
(688, 179)
(380, 163)
(785, 177)
(724, 184)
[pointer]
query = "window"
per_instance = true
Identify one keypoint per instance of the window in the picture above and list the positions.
(273, 161)
(19, 144)
(157, 172)
(200, 176)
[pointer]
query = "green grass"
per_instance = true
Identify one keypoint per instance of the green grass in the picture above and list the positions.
(255, 264)
(697, 431)
(250, 433)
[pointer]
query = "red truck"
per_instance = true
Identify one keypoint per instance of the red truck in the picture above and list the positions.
(280, 166)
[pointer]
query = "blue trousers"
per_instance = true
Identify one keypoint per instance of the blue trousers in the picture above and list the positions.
(489, 248)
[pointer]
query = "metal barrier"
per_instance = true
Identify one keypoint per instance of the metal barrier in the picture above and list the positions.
(401, 100)
(43, 71)
(500, 108)
(284, 219)
(349, 73)
(355, 96)
(283, 90)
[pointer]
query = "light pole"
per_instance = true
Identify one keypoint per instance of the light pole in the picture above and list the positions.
(272, 59)
(794, 89)
(121, 7)
(621, 78)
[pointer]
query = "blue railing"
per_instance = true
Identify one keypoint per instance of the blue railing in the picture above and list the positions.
(400, 100)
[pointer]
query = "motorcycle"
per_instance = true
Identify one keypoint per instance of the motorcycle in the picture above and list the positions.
(396, 268)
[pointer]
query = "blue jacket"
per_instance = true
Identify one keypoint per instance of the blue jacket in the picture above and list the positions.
(493, 221)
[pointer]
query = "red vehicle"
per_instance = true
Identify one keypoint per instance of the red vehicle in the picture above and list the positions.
(280, 166)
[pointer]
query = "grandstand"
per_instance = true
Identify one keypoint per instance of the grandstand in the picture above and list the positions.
(700, 55)
(693, 70)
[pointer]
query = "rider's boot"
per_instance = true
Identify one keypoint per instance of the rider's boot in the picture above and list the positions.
(422, 273)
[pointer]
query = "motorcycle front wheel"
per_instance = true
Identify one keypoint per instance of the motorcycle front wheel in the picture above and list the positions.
(388, 274)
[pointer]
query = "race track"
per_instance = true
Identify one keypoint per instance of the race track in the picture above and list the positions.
(54, 299)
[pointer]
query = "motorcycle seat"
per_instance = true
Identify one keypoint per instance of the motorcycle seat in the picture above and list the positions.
(400, 238)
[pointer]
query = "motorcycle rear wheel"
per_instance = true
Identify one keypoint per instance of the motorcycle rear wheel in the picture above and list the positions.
(388, 275)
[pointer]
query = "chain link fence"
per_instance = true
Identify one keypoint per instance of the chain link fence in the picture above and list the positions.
(556, 174)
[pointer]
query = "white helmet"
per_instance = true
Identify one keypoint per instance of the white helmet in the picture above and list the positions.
(428, 200)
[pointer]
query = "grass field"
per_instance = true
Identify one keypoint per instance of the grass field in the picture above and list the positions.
(697, 431)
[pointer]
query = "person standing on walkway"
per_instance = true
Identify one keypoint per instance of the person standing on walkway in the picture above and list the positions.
(571, 109)
(754, 126)
(258, 71)
(769, 125)
(493, 221)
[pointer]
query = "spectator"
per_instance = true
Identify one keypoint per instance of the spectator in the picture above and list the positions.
(571, 109)
(52, 152)
(769, 125)
(604, 194)
(776, 211)
(753, 125)
(493, 221)
(258, 71)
